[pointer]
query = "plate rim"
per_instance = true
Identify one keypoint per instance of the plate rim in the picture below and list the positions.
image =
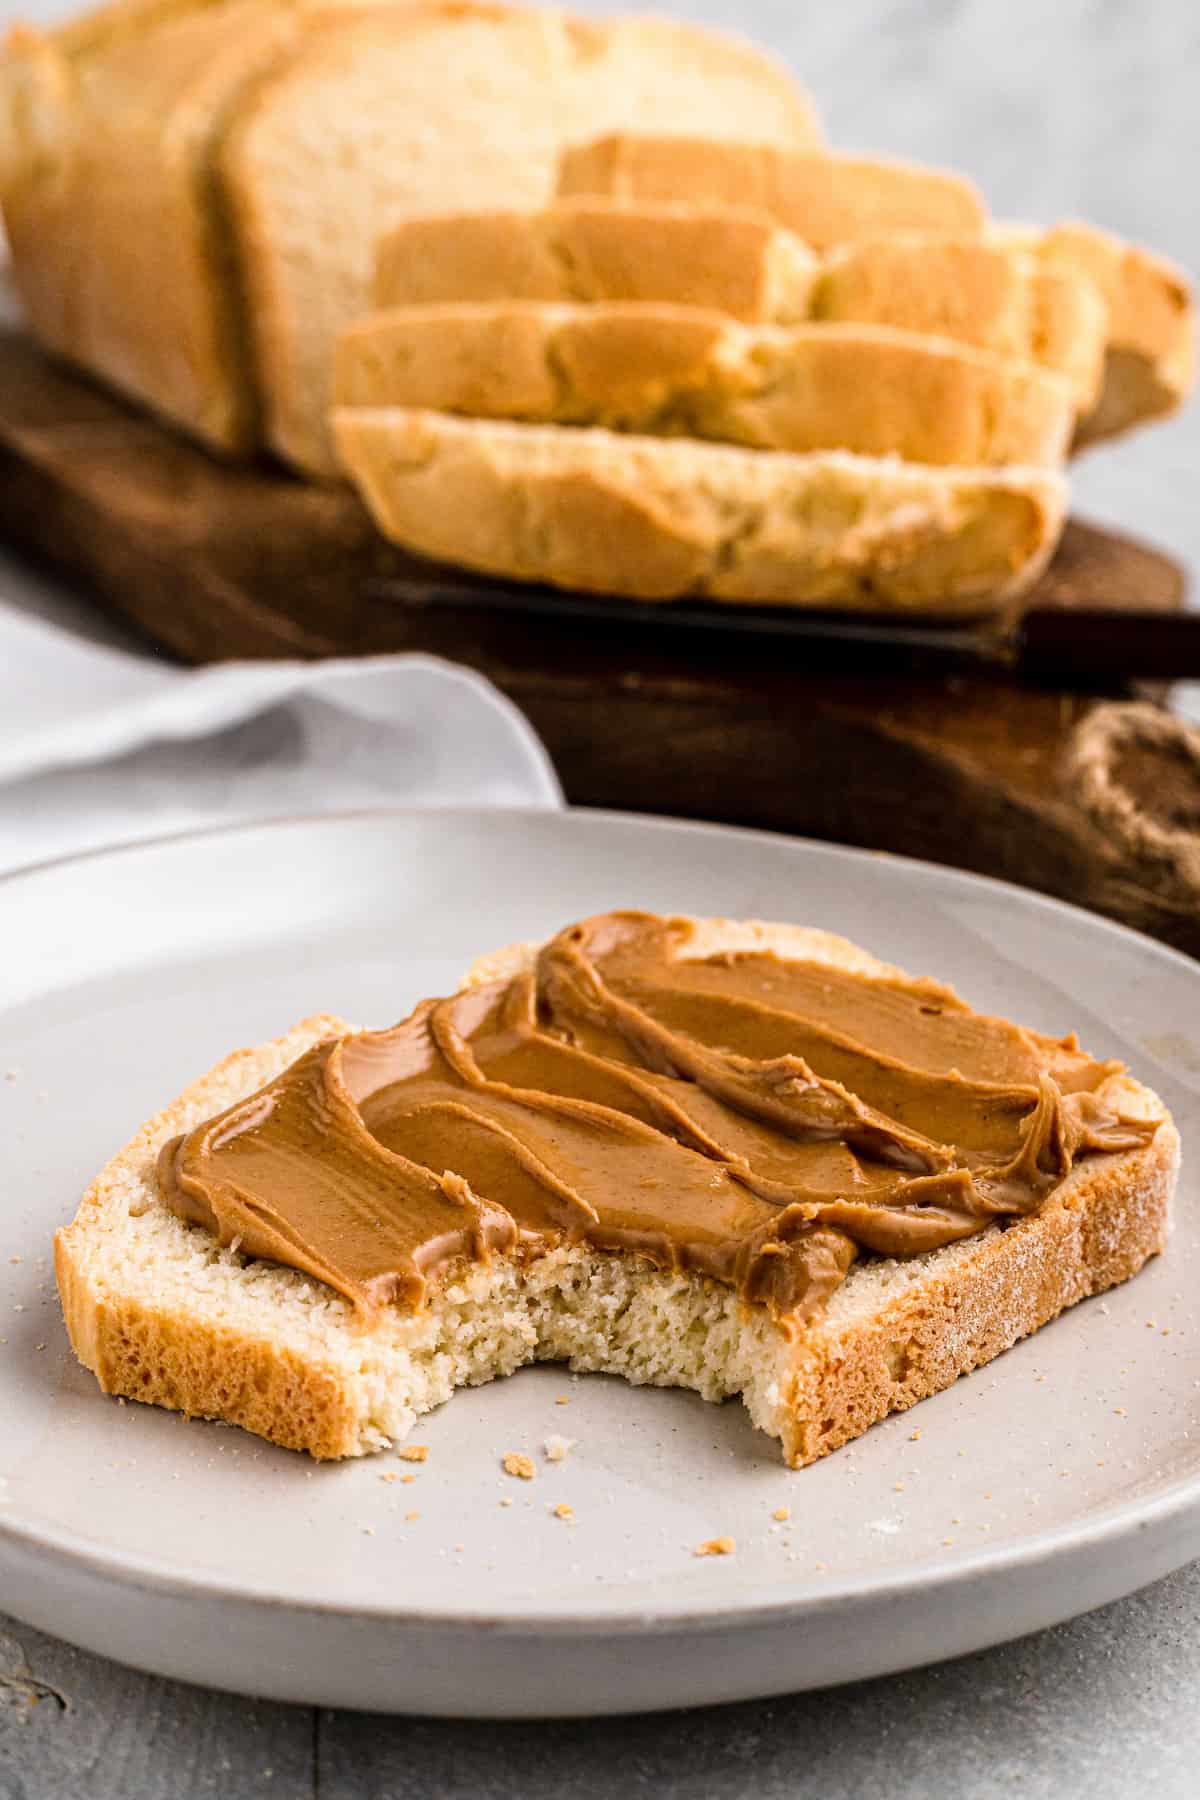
(1107, 1528)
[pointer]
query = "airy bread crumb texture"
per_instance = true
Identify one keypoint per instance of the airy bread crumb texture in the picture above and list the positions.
(161, 1313)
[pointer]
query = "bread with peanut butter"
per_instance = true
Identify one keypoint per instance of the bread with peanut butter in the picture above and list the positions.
(663, 518)
(681, 371)
(734, 1157)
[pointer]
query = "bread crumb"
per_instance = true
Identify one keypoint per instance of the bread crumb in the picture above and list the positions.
(14, 1259)
(390, 1476)
(507, 1501)
(410, 1516)
(914, 1437)
(515, 1463)
(368, 1531)
(782, 1512)
(947, 1541)
(459, 1548)
(407, 1480)
(718, 1546)
(557, 1447)
(562, 1399)
(563, 1511)
(413, 1452)
(1120, 1411)
(897, 1487)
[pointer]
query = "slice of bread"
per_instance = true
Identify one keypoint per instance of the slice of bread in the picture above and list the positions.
(737, 263)
(677, 371)
(658, 518)
(1151, 360)
(991, 295)
(160, 1313)
(996, 296)
(825, 199)
(439, 105)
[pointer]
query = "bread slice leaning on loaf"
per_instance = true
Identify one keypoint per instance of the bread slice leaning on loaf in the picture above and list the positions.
(1150, 366)
(677, 371)
(160, 1313)
(663, 518)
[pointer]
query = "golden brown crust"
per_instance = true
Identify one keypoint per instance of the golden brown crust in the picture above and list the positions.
(156, 1353)
(118, 245)
(594, 250)
(657, 518)
(1150, 365)
(824, 199)
(1113, 1214)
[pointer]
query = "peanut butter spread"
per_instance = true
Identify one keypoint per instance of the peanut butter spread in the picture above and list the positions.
(757, 1120)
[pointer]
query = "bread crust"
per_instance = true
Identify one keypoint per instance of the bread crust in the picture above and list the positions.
(119, 248)
(678, 371)
(737, 263)
(826, 200)
(1150, 362)
(660, 518)
(956, 1310)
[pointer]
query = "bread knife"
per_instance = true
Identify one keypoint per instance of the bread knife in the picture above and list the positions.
(1080, 646)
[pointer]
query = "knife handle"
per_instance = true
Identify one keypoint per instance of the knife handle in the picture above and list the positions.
(1099, 644)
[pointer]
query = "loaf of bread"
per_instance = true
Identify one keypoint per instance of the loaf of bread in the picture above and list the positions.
(678, 371)
(161, 1313)
(661, 518)
(193, 192)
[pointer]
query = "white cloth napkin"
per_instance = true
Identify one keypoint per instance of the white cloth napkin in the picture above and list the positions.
(104, 744)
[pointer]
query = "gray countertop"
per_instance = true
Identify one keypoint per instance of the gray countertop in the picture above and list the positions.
(1086, 107)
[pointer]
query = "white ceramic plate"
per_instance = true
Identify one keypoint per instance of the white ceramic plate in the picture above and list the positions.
(1060, 1477)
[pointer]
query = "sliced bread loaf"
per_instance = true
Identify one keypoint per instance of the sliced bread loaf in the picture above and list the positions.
(161, 1313)
(737, 263)
(112, 133)
(678, 371)
(438, 105)
(832, 201)
(824, 199)
(991, 295)
(657, 518)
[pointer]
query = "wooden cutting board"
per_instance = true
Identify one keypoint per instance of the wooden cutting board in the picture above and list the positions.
(215, 561)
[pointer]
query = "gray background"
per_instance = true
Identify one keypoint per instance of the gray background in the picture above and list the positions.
(1084, 107)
